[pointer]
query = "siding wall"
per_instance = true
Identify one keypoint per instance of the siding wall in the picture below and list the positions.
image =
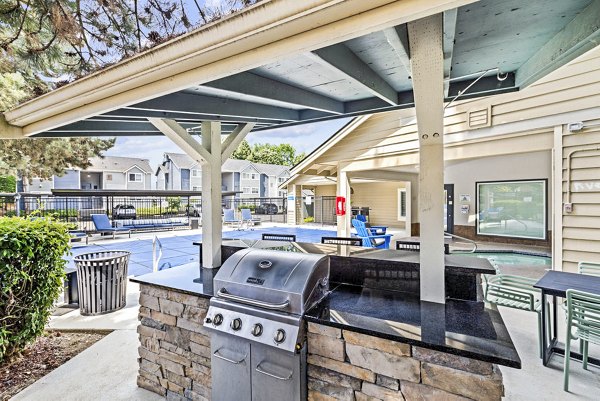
(581, 228)
(382, 198)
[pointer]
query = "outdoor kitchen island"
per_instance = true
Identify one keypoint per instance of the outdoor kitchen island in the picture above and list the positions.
(363, 342)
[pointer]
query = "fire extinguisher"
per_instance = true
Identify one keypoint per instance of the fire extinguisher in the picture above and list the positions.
(340, 206)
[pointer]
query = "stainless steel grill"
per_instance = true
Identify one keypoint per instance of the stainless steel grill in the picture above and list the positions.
(258, 340)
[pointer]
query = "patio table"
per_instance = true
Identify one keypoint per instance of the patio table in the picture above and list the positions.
(556, 284)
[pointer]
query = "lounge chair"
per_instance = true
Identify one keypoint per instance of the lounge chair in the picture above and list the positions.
(368, 239)
(230, 219)
(375, 230)
(247, 218)
(103, 226)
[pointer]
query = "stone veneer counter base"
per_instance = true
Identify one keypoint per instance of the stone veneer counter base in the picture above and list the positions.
(360, 347)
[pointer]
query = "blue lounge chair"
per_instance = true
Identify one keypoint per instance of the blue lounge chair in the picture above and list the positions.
(375, 230)
(368, 239)
(103, 226)
(229, 218)
(247, 218)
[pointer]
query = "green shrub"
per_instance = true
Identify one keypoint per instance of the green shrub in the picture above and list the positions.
(252, 207)
(31, 277)
(309, 219)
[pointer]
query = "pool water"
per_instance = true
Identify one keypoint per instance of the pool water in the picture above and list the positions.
(512, 258)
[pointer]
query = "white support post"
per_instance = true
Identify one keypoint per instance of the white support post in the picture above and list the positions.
(343, 189)
(211, 153)
(212, 225)
(427, 64)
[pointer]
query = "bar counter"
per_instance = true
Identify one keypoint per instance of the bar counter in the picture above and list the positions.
(365, 340)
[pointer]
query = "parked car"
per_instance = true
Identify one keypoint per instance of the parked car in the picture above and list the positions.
(124, 212)
(267, 208)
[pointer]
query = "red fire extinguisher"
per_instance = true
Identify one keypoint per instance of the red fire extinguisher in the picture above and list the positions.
(340, 205)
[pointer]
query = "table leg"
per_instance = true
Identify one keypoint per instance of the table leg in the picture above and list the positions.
(546, 352)
(555, 316)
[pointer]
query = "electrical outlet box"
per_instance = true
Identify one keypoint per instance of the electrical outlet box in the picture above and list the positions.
(568, 208)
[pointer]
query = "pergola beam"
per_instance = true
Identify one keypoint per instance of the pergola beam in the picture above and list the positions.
(449, 34)
(340, 58)
(397, 37)
(128, 112)
(577, 37)
(182, 138)
(231, 108)
(255, 85)
(234, 139)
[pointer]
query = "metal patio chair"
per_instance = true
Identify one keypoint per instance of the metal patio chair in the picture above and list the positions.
(230, 219)
(515, 292)
(247, 219)
(589, 268)
(583, 323)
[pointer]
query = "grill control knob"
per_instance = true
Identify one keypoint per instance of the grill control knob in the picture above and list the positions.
(257, 330)
(279, 336)
(236, 324)
(218, 319)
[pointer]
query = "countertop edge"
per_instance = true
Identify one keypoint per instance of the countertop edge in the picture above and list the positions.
(447, 350)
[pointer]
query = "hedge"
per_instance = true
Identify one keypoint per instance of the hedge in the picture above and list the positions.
(31, 277)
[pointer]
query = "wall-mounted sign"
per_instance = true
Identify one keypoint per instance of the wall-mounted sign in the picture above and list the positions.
(291, 198)
(308, 200)
(464, 209)
(465, 198)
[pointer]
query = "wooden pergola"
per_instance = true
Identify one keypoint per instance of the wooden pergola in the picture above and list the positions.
(284, 62)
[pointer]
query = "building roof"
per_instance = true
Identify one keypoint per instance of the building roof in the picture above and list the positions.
(281, 63)
(122, 164)
(184, 161)
(181, 160)
(271, 169)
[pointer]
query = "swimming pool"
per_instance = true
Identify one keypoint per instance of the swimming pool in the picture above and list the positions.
(512, 258)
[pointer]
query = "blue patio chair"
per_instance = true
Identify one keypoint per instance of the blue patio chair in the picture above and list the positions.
(368, 239)
(229, 218)
(103, 226)
(247, 218)
(375, 230)
(583, 323)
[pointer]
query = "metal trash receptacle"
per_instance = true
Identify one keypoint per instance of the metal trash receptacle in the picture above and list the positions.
(102, 281)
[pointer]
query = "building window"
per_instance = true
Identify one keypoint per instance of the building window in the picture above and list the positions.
(254, 176)
(135, 177)
(282, 194)
(245, 176)
(512, 209)
(108, 177)
(196, 173)
(196, 188)
(254, 190)
(281, 179)
(246, 190)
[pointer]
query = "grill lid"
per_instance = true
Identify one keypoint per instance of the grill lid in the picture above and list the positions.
(275, 280)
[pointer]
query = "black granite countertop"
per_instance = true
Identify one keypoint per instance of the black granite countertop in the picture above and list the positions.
(464, 328)
(457, 263)
(180, 278)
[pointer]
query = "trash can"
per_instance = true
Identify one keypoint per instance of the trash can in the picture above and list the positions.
(102, 281)
(194, 223)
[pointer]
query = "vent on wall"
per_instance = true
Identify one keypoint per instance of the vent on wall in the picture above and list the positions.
(480, 118)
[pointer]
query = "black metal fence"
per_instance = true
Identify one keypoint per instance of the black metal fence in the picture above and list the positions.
(78, 209)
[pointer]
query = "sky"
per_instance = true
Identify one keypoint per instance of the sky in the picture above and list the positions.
(304, 138)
